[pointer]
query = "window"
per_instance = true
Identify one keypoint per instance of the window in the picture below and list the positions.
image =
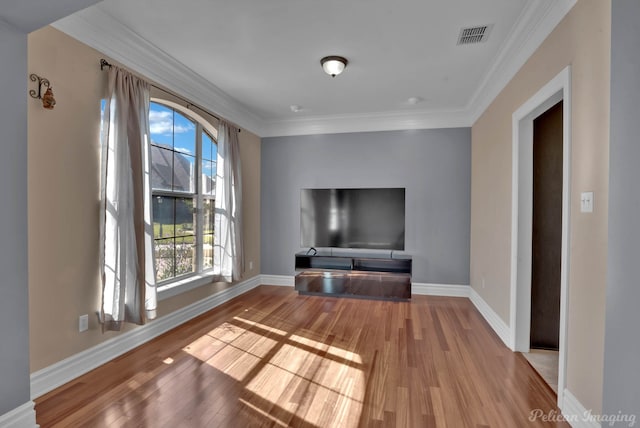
(183, 172)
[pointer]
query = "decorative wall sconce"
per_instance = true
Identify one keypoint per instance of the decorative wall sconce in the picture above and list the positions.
(48, 101)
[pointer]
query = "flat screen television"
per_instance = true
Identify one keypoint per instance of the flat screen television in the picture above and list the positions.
(370, 218)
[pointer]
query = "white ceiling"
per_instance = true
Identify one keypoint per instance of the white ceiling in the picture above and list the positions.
(256, 58)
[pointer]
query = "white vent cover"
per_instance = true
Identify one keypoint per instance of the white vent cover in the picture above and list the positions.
(471, 35)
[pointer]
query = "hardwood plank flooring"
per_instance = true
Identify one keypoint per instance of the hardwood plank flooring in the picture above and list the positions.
(271, 358)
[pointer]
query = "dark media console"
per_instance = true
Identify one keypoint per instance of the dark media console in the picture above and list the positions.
(368, 276)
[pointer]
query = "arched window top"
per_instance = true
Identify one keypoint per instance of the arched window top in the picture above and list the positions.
(208, 125)
(183, 150)
(172, 130)
(183, 177)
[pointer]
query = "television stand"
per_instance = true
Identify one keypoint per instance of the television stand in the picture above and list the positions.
(350, 275)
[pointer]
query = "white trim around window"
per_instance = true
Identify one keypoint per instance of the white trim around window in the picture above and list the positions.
(182, 285)
(203, 275)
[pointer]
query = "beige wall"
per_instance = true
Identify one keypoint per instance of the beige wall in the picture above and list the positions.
(581, 40)
(63, 162)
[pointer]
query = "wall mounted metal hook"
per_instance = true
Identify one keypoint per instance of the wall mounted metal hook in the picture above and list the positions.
(48, 101)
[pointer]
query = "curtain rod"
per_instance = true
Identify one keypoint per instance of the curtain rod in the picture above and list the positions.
(104, 63)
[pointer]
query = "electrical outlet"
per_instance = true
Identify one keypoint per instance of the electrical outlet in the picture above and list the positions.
(482, 282)
(251, 265)
(83, 323)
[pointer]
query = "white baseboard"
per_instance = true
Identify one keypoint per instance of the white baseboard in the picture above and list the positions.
(497, 324)
(280, 280)
(576, 414)
(20, 417)
(447, 290)
(58, 374)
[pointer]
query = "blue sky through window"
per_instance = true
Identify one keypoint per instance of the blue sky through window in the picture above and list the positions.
(171, 129)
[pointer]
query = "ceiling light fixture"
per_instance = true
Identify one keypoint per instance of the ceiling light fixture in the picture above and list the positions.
(333, 65)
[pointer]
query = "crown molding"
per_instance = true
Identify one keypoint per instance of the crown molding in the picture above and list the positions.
(535, 23)
(101, 31)
(367, 122)
(98, 29)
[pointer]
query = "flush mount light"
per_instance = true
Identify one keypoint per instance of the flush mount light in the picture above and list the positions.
(333, 65)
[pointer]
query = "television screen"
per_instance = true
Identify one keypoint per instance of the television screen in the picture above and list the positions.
(353, 218)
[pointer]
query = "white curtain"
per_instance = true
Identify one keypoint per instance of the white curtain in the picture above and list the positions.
(126, 231)
(228, 251)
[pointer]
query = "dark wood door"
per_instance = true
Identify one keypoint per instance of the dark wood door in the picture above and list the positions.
(547, 229)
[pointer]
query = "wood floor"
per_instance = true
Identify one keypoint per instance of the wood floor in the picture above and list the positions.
(272, 358)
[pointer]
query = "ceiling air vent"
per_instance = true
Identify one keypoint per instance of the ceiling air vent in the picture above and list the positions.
(471, 35)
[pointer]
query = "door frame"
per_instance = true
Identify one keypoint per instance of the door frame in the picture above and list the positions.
(557, 89)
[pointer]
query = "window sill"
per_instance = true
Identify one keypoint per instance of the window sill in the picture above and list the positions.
(174, 288)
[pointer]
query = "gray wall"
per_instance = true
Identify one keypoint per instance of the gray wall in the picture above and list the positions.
(14, 300)
(15, 22)
(622, 340)
(434, 166)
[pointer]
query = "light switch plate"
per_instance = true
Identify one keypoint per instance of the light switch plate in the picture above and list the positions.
(586, 202)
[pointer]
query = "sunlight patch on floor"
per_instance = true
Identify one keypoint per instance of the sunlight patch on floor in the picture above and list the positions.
(331, 350)
(204, 347)
(263, 413)
(317, 389)
(261, 326)
(255, 344)
(226, 332)
(311, 381)
(234, 362)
